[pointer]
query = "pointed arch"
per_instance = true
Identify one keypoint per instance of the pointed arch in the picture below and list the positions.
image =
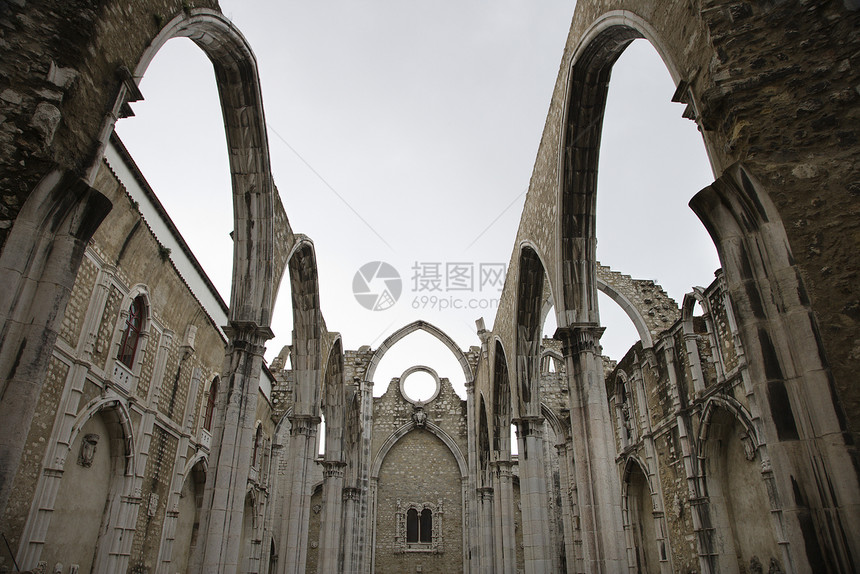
(334, 403)
(582, 125)
(530, 297)
(736, 410)
(307, 348)
(630, 309)
(559, 426)
(419, 325)
(123, 426)
(403, 431)
(483, 443)
(254, 267)
(501, 403)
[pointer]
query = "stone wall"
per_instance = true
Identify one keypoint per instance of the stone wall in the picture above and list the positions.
(664, 423)
(419, 468)
(164, 419)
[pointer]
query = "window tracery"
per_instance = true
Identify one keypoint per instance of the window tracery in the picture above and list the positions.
(419, 527)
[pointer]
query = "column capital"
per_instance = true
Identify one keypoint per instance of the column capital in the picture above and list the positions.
(529, 426)
(248, 336)
(580, 338)
(333, 468)
(303, 425)
(486, 492)
(501, 468)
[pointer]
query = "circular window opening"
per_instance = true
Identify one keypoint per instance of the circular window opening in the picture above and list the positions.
(419, 387)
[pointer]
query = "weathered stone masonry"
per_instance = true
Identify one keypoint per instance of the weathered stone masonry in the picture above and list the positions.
(724, 441)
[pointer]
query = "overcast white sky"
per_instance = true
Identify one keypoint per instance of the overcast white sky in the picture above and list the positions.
(406, 132)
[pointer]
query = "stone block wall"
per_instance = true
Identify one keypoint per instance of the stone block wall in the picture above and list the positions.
(419, 469)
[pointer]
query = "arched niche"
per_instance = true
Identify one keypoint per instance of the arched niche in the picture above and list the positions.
(402, 431)
(641, 528)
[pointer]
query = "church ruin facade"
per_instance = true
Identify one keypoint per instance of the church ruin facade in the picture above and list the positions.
(141, 430)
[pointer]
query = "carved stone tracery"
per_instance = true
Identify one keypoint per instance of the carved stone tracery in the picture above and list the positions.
(436, 544)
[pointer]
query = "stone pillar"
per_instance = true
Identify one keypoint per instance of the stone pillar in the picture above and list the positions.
(471, 537)
(506, 557)
(219, 547)
(488, 551)
(369, 551)
(364, 528)
(351, 507)
(38, 266)
(566, 510)
(537, 543)
(332, 527)
(598, 484)
(294, 543)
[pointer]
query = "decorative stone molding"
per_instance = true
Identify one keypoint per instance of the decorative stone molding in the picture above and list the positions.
(351, 493)
(88, 450)
(333, 468)
(529, 426)
(576, 340)
(436, 544)
(419, 416)
(304, 425)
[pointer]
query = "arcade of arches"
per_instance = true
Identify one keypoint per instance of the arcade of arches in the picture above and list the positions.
(141, 430)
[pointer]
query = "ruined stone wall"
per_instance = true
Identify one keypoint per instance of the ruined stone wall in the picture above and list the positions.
(771, 85)
(391, 411)
(418, 469)
(661, 396)
(59, 80)
(125, 258)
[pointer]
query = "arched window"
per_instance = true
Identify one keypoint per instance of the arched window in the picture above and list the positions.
(210, 405)
(419, 527)
(425, 526)
(131, 334)
(412, 526)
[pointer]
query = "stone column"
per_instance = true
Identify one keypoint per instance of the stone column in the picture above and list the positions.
(369, 550)
(219, 547)
(294, 543)
(471, 533)
(332, 527)
(364, 529)
(506, 557)
(598, 484)
(488, 551)
(566, 510)
(537, 544)
(350, 522)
